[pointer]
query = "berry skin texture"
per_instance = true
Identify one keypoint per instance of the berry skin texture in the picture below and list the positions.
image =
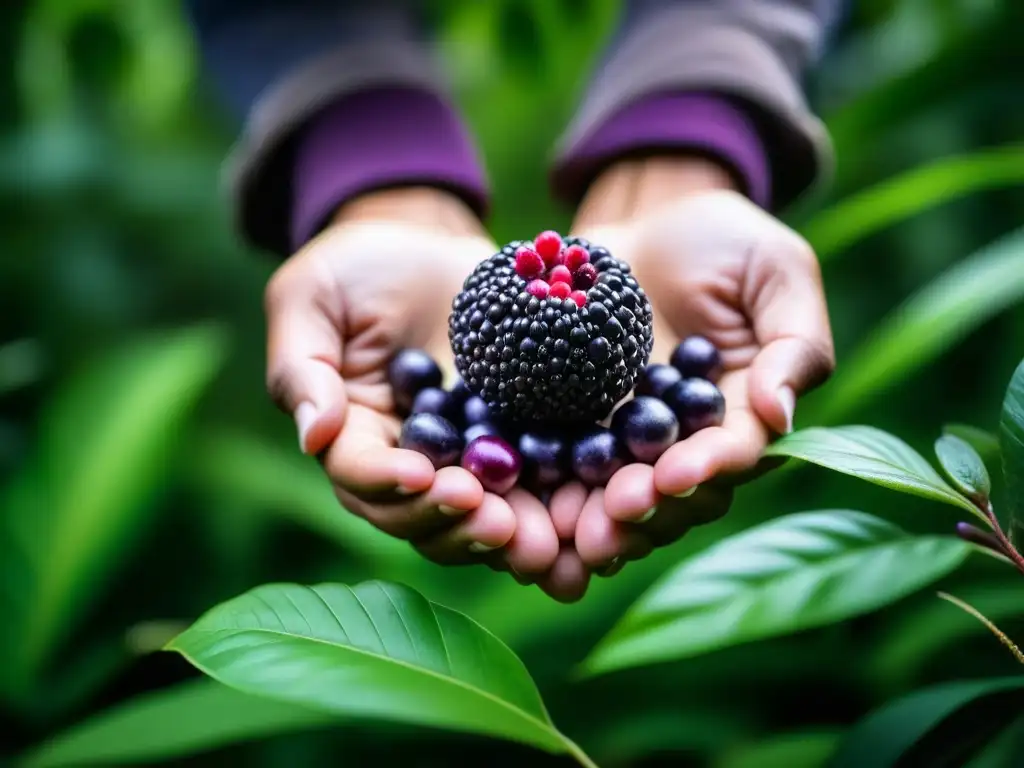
(585, 277)
(697, 403)
(410, 371)
(575, 257)
(549, 245)
(494, 462)
(433, 436)
(560, 274)
(559, 362)
(545, 460)
(596, 456)
(697, 358)
(647, 427)
(529, 263)
(656, 379)
(538, 289)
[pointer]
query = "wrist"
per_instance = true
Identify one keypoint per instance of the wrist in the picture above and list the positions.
(633, 188)
(423, 206)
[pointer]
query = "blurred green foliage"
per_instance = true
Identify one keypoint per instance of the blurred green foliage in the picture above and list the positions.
(146, 478)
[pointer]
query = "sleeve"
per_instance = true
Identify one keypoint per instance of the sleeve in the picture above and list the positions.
(337, 98)
(718, 77)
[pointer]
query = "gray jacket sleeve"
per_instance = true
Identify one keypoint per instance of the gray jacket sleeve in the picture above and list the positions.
(755, 52)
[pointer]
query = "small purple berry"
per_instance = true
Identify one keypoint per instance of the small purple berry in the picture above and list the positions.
(546, 459)
(697, 403)
(433, 436)
(475, 410)
(646, 426)
(432, 400)
(656, 379)
(697, 358)
(596, 456)
(459, 392)
(481, 428)
(494, 462)
(410, 372)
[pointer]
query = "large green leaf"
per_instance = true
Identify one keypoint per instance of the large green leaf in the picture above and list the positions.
(981, 440)
(963, 466)
(247, 469)
(375, 650)
(1011, 443)
(793, 573)
(932, 320)
(918, 730)
(911, 193)
(104, 450)
(872, 455)
(185, 719)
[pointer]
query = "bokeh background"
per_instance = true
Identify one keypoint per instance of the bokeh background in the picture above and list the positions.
(144, 476)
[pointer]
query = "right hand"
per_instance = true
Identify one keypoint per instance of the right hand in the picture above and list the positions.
(381, 277)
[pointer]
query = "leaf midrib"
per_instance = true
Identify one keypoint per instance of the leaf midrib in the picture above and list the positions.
(549, 727)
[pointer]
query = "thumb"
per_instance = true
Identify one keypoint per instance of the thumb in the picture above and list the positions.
(786, 305)
(304, 350)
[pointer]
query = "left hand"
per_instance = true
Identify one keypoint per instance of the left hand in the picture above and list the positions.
(712, 264)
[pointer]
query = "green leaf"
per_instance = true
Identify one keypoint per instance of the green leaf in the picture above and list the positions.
(872, 455)
(790, 574)
(963, 466)
(191, 717)
(981, 440)
(375, 650)
(104, 451)
(931, 321)
(247, 469)
(1011, 444)
(805, 749)
(901, 197)
(918, 729)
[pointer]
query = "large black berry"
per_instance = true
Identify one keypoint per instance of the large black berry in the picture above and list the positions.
(433, 436)
(697, 358)
(646, 426)
(546, 459)
(409, 372)
(656, 379)
(562, 357)
(596, 456)
(494, 462)
(697, 403)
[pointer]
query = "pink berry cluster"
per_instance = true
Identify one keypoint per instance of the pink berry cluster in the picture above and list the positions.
(561, 273)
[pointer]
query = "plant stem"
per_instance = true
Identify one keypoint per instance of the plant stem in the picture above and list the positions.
(1008, 548)
(579, 755)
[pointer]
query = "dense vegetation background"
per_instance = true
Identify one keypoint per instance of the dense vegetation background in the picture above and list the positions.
(144, 476)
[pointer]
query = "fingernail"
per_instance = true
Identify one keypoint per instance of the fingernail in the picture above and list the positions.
(787, 399)
(687, 492)
(647, 515)
(480, 547)
(612, 568)
(305, 417)
(401, 490)
(450, 511)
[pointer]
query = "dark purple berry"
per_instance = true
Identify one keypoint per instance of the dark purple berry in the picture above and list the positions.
(697, 403)
(459, 392)
(433, 436)
(545, 460)
(432, 400)
(481, 428)
(596, 456)
(697, 358)
(410, 372)
(646, 426)
(475, 410)
(494, 462)
(656, 379)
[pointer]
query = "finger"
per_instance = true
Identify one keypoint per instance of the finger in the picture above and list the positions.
(364, 459)
(723, 454)
(568, 579)
(534, 546)
(675, 517)
(631, 495)
(787, 307)
(566, 504)
(486, 528)
(600, 540)
(304, 348)
(452, 496)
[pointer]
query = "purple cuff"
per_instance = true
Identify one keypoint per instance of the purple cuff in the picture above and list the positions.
(385, 137)
(671, 121)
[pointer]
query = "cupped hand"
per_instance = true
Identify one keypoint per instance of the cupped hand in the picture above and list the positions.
(716, 265)
(381, 277)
